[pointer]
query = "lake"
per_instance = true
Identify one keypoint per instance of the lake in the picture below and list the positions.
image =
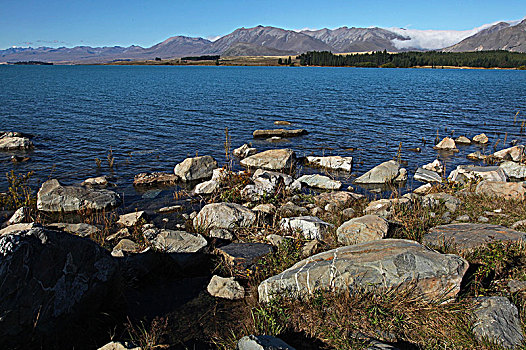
(153, 117)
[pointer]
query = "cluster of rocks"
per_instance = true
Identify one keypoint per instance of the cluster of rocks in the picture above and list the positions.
(10, 141)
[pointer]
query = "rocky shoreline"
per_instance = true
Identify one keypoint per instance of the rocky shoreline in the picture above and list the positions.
(250, 239)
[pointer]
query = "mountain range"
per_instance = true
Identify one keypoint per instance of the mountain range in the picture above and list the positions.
(272, 41)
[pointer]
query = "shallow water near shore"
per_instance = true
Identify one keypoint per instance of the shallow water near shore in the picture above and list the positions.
(154, 117)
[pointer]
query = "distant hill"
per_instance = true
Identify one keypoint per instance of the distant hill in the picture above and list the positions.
(501, 36)
(272, 41)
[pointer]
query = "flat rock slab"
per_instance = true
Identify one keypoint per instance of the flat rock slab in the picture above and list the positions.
(424, 175)
(274, 159)
(196, 168)
(279, 132)
(331, 162)
(380, 174)
(131, 219)
(155, 179)
(243, 255)
(53, 197)
(81, 229)
(363, 229)
(465, 173)
(507, 190)
(515, 153)
(381, 264)
(320, 181)
(497, 320)
(468, 236)
(262, 342)
(170, 241)
(310, 227)
(224, 215)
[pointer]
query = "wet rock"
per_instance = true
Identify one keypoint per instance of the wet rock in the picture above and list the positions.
(80, 229)
(481, 138)
(514, 170)
(53, 197)
(275, 159)
(434, 200)
(383, 173)
(331, 162)
(244, 255)
(463, 140)
(244, 151)
(227, 288)
(468, 236)
(515, 153)
(424, 175)
(21, 214)
(465, 173)
(290, 209)
(66, 278)
(386, 263)
(363, 229)
(262, 342)
(10, 141)
(282, 122)
(320, 181)
(385, 207)
(507, 190)
(196, 168)
(224, 215)
(279, 133)
(131, 219)
(100, 181)
(310, 227)
(207, 187)
(435, 166)
(447, 144)
(170, 241)
(155, 179)
(497, 320)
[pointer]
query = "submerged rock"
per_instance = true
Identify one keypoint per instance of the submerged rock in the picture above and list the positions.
(383, 173)
(155, 179)
(481, 138)
(468, 236)
(275, 159)
(331, 162)
(53, 197)
(279, 133)
(497, 320)
(507, 190)
(196, 168)
(65, 279)
(380, 264)
(320, 181)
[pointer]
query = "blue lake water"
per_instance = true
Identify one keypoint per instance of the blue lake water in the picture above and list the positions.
(154, 117)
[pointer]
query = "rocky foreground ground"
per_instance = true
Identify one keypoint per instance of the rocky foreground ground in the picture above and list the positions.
(281, 261)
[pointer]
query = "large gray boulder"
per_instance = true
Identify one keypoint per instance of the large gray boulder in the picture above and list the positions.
(331, 162)
(262, 342)
(507, 190)
(497, 320)
(381, 174)
(467, 236)
(514, 170)
(196, 168)
(310, 227)
(515, 153)
(381, 264)
(53, 197)
(274, 159)
(51, 279)
(224, 215)
(363, 229)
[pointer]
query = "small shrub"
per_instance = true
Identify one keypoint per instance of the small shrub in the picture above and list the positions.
(19, 194)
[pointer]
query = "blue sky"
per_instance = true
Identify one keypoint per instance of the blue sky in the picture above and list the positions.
(117, 22)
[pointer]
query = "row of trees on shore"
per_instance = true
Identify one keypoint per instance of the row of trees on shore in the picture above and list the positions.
(482, 59)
